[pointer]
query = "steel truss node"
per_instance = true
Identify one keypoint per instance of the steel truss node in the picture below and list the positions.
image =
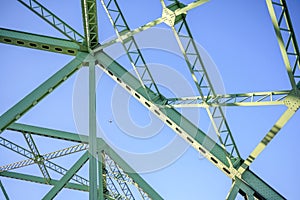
(108, 173)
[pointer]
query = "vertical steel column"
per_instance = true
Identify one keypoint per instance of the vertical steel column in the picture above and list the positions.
(92, 132)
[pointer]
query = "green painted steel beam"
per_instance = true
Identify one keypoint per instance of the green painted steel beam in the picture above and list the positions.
(41, 180)
(92, 119)
(67, 177)
(47, 132)
(40, 42)
(47, 156)
(130, 46)
(101, 185)
(4, 191)
(130, 172)
(37, 156)
(89, 12)
(19, 109)
(240, 186)
(242, 99)
(234, 190)
(50, 165)
(288, 46)
(114, 171)
(250, 178)
(287, 115)
(176, 120)
(183, 127)
(101, 146)
(177, 12)
(53, 20)
(203, 83)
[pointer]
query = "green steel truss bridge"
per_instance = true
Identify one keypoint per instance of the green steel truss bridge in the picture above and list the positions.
(107, 177)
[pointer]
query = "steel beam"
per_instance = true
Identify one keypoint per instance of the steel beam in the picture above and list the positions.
(130, 46)
(93, 175)
(4, 191)
(125, 35)
(48, 156)
(15, 112)
(41, 180)
(129, 171)
(204, 85)
(182, 126)
(40, 42)
(287, 115)
(114, 171)
(37, 156)
(53, 20)
(239, 186)
(67, 177)
(89, 12)
(24, 152)
(101, 183)
(243, 99)
(288, 46)
(143, 187)
(46, 132)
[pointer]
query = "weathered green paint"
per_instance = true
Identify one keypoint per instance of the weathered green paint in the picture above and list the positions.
(15, 112)
(40, 42)
(67, 177)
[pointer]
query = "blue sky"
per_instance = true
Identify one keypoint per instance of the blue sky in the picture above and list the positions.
(239, 37)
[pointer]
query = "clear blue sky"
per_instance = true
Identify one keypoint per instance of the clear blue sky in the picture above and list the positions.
(240, 39)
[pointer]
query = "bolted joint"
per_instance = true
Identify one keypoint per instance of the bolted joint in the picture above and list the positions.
(39, 159)
(292, 101)
(169, 16)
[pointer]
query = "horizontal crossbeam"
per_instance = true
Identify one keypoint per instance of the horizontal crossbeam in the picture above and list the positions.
(41, 180)
(40, 42)
(47, 132)
(48, 156)
(26, 153)
(242, 99)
